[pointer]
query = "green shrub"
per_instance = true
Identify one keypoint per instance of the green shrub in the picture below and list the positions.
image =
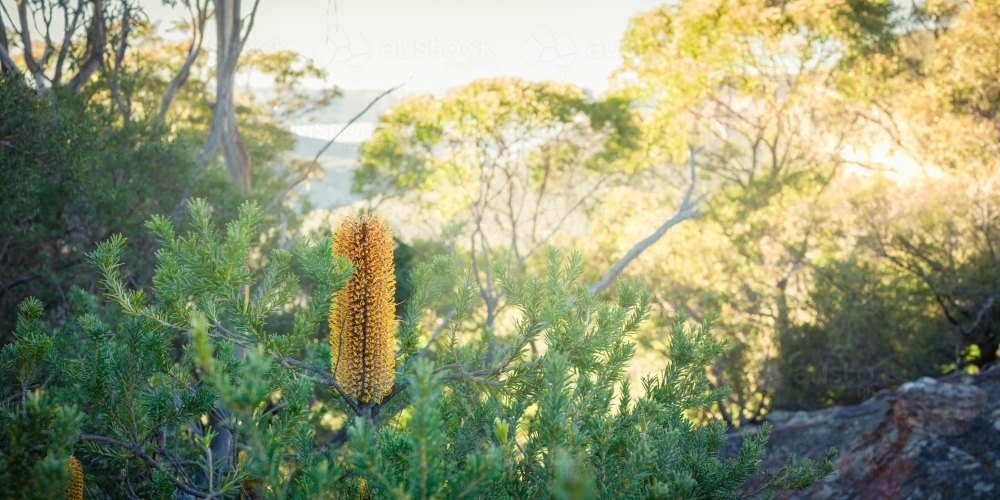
(72, 174)
(131, 388)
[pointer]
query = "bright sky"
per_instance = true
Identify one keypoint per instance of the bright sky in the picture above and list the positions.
(374, 44)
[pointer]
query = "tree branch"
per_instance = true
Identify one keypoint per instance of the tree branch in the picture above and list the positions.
(249, 20)
(29, 56)
(435, 334)
(94, 56)
(687, 210)
(198, 19)
(6, 63)
(315, 162)
(123, 108)
(142, 455)
(982, 312)
(67, 40)
(224, 131)
(326, 379)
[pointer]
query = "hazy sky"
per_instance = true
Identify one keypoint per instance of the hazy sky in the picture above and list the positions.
(443, 43)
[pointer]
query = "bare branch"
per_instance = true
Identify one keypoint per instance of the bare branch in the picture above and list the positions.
(94, 55)
(434, 335)
(982, 311)
(68, 32)
(29, 56)
(325, 378)
(4, 47)
(198, 19)
(138, 452)
(47, 11)
(6, 63)
(123, 107)
(249, 22)
(687, 210)
(315, 162)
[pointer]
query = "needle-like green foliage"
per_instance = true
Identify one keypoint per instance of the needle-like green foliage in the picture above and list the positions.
(538, 407)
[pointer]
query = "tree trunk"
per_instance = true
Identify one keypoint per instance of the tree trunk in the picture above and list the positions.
(224, 132)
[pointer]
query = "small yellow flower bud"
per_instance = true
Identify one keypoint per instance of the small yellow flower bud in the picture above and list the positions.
(502, 428)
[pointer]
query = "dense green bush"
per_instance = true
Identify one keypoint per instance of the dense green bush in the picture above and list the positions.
(74, 174)
(70, 178)
(130, 387)
(873, 329)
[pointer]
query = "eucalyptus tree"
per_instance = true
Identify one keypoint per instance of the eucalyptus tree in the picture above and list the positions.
(501, 167)
(767, 88)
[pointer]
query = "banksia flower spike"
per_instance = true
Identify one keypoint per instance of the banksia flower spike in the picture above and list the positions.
(75, 489)
(362, 316)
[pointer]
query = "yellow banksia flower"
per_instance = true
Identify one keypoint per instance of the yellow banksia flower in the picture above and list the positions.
(363, 314)
(75, 489)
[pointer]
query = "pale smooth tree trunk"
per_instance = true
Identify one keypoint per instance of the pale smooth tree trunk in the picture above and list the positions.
(224, 133)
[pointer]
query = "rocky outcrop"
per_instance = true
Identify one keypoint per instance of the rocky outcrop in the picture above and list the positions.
(929, 439)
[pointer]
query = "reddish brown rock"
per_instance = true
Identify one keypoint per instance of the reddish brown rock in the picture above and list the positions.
(933, 439)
